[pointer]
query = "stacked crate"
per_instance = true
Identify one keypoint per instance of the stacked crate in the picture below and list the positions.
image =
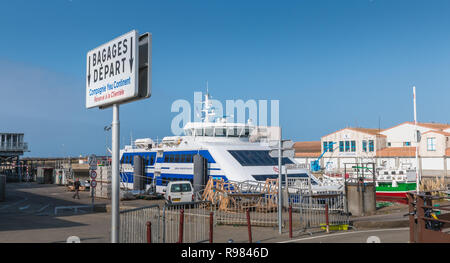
(103, 189)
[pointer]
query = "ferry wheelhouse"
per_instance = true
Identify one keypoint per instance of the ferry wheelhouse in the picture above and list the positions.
(236, 152)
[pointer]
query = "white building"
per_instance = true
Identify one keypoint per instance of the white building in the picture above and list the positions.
(391, 148)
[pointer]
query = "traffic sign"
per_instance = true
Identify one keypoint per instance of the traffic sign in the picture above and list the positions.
(93, 183)
(284, 153)
(92, 160)
(112, 71)
(93, 174)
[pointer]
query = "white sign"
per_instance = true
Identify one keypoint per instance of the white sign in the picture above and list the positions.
(112, 71)
(288, 144)
(284, 153)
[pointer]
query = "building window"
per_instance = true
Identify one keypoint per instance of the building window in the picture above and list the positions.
(371, 146)
(330, 146)
(431, 144)
(353, 146)
(347, 146)
(364, 146)
(406, 144)
(341, 146)
(325, 146)
(389, 144)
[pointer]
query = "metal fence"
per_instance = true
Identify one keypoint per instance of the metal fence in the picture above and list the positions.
(133, 225)
(319, 211)
(184, 223)
(262, 210)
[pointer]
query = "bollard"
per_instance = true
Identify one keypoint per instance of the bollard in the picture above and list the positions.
(326, 218)
(180, 236)
(249, 227)
(290, 221)
(149, 232)
(211, 223)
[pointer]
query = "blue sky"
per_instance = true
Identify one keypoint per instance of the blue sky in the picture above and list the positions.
(331, 64)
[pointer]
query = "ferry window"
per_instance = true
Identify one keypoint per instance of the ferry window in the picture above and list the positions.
(189, 158)
(220, 132)
(166, 158)
(182, 158)
(400, 172)
(256, 158)
(386, 173)
(199, 132)
(232, 132)
(341, 146)
(176, 158)
(240, 131)
(152, 160)
(353, 146)
(209, 131)
(188, 132)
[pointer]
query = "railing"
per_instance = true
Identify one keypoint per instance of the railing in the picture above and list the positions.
(319, 211)
(186, 223)
(177, 223)
(133, 225)
(14, 147)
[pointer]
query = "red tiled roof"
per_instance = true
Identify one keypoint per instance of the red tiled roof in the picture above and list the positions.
(308, 149)
(313, 146)
(309, 155)
(447, 152)
(397, 152)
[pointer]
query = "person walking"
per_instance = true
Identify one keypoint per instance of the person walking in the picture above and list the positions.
(76, 185)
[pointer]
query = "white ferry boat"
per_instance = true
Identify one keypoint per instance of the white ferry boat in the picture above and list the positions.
(234, 152)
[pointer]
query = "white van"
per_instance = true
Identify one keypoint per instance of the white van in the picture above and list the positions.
(179, 192)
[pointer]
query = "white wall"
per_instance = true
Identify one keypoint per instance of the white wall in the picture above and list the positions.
(402, 133)
(432, 163)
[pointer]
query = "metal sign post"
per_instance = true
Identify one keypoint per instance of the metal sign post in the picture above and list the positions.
(282, 150)
(92, 159)
(118, 72)
(115, 176)
(280, 154)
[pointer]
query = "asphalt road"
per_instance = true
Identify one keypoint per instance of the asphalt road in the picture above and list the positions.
(393, 235)
(28, 216)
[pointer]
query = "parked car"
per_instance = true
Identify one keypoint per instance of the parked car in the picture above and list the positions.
(179, 192)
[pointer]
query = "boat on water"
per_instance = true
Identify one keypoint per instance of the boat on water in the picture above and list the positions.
(390, 182)
(237, 152)
(395, 182)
